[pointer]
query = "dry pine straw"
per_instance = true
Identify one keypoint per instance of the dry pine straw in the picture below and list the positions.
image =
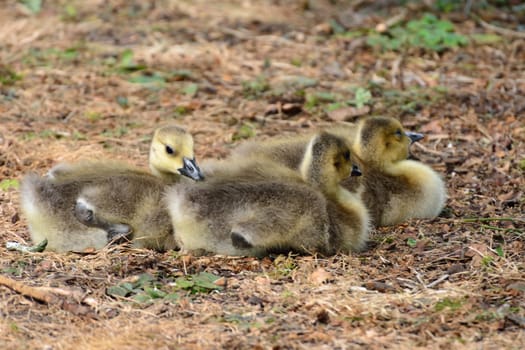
(452, 289)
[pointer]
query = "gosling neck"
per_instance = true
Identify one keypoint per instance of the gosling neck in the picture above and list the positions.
(165, 176)
(312, 170)
(366, 156)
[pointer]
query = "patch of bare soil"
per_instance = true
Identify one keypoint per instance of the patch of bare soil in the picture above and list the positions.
(93, 79)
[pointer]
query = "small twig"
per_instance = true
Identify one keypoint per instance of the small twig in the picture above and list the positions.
(407, 282)
(360, 289)
(492, 219)
(49, 296)
(428, 150)
(495, 228)
(383, 26)
(75, 294)
(499, 30)
(184, 267)
(476, 251)
(28, 291)
(419, 278)
(438, 281)
(484, 131)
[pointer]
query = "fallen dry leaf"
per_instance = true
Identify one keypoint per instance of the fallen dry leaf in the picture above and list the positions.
(320, 276)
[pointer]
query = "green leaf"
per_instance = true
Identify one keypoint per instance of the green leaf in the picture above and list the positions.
(303, 82)
(180, 74)
(16, 271)
(452, 304)
(191, 89)
(254, 88)
(313, 100)
(154, 293)
(70, 11)
(411, 242)
(154, 78)
(123, 101)
(184, 283)
(499, 251)
(127, 63)
(206, 280)
(335, 105)
(93, 116)
(68, 54)
(127, 286)
(172, 297)
(245, 131)
(117, 291)
(487, 260)
(325, 96)
(297, 62)
(522, 164)
(7, 184)
(35, 6)
(352, 34)
(202, 282)
(126, 58)
(37, 248)
(142, 298)
(8, 76)
(144, 279)
(447, 5)
(180, 111)
(336, 27)
(428, 32)
(362, 97)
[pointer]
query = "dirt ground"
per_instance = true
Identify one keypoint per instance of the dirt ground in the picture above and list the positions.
(92, 79)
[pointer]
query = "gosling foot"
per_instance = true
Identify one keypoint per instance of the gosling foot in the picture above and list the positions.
(84, 213)
(239, 241)
(119, 233)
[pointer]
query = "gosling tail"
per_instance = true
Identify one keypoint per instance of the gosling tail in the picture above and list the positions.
(32, 192)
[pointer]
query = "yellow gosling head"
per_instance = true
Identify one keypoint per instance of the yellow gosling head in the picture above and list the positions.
(171, 153)
(327, 161)
(382, 141)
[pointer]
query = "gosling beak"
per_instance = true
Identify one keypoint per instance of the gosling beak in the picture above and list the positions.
(191, 169)
(356, 171)
(414, 136)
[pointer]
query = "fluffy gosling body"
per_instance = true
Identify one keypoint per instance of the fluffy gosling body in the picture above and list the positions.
(395, 188)
(87, 204)
(290, 151)
(256, 206)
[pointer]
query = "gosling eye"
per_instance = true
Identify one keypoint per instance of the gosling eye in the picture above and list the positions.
(169, 150)
(399, 133)
(346, 155)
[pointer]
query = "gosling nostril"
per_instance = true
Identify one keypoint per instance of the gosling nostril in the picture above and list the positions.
(356, 171)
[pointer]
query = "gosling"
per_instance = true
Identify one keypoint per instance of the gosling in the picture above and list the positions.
(253, 207)
(88, 204)
(393, 188)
